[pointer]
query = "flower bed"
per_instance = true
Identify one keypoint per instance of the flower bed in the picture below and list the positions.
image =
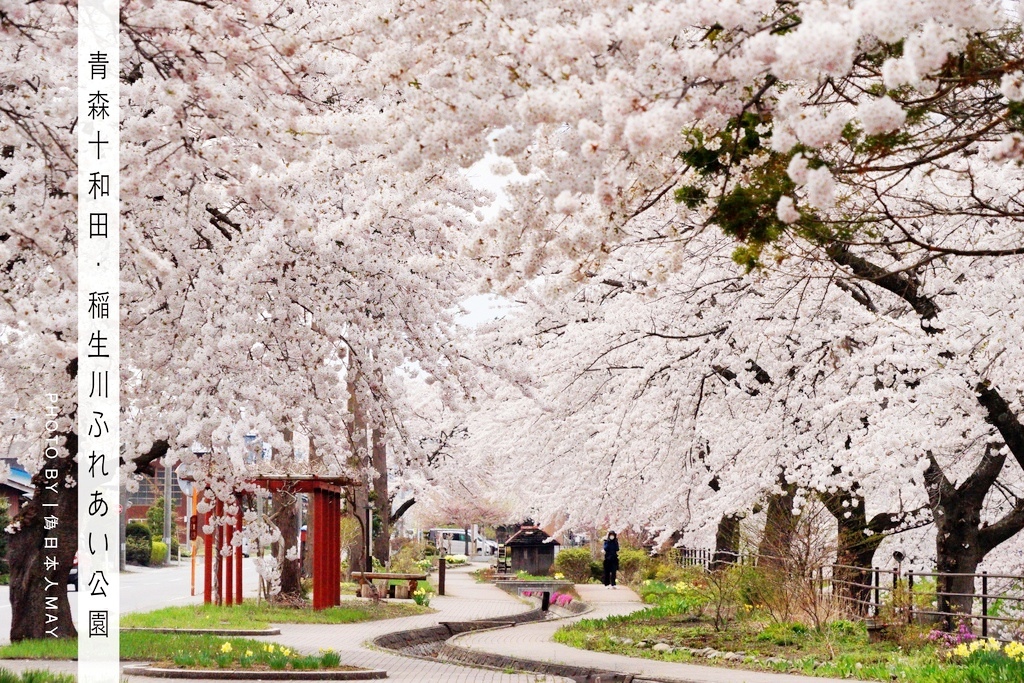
(268, 657)
(558, 599)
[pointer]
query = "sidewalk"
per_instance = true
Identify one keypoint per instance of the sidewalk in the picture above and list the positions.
(465, 600)
(533, 641)
(468, 600)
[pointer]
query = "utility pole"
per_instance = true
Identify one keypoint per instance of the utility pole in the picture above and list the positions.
(167, 506)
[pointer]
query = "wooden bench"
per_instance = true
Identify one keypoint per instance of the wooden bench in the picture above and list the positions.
(364, 578)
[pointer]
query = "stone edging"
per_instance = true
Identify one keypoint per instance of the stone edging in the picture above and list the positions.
(234, 674)
(413, 642)
(212, 631)
(461, 655)
(398, 641)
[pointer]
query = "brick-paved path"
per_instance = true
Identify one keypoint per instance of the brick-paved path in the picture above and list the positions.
(533, 641)
(468, 600)
(465, 600)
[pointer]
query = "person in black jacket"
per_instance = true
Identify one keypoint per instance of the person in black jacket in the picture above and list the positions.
(611, 559)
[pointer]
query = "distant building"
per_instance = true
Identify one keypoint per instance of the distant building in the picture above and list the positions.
(17, 486)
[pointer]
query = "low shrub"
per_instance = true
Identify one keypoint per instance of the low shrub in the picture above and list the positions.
(575, 564)
(631, 563)
(406, 559)
(138, 544)
(158, 554)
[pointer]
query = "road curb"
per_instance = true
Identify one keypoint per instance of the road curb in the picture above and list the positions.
(212, 631)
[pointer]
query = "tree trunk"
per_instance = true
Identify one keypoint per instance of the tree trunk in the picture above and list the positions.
(855, 548)
(357, 549)
(286, 517)
(308, 546)
(958, 551)
(961, 541)
(381, 501)
(727, 542)
(357, 437)
(39, 597)
(779, 529)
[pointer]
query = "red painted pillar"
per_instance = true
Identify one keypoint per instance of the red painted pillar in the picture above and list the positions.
(329, 550)
(329, 545)
(336, 548)
(229, 574)
(219, 533)
(238, 555)
(207, 560)
(319, 585)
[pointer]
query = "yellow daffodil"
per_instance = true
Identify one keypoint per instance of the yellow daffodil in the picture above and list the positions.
(226, 647)
(1014, 651)
(248, 653)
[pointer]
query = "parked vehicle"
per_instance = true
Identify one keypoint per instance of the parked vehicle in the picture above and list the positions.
(458, 542)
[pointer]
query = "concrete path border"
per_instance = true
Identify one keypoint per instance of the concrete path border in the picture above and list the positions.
(248, 675)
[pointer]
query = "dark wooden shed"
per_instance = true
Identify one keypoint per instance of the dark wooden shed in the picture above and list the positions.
(531, 550)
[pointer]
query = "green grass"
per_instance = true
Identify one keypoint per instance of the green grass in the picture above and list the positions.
(137, 646)
(252, 615)
(181, 651)
(35, 676)
(840, 650)
(49, 648)
(424, 585)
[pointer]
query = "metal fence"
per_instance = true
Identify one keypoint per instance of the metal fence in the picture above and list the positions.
(894, 595)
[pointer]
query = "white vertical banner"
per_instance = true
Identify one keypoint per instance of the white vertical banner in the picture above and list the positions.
(98, 339)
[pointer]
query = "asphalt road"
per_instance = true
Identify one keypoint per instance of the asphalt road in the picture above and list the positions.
(143, 589)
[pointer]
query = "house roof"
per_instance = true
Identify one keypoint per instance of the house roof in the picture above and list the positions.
(531, 535)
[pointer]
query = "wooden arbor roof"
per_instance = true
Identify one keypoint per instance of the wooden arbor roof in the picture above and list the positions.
(326, 522)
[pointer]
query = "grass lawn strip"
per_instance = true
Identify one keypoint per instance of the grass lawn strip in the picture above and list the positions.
(35, 676)
(258, 616)
(181, 651)
(48, 648)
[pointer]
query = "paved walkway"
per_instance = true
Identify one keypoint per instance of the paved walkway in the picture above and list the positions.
(468, 600)
(533, 641)
(465, 600)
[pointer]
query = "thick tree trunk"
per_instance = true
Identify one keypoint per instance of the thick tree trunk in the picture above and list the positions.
(961, 541)
(381, 501)
(855, 548)
(957, 551)
(39, 596)
(727, 542)
(286, 507)
(779, 529)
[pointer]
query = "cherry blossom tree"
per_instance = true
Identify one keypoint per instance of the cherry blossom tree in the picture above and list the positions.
(264, 266)
(865, 137)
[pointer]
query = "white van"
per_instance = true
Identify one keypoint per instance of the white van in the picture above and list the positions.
(453, 541)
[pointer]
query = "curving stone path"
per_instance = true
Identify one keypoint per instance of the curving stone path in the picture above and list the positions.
(533, 641)
(466, 601)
